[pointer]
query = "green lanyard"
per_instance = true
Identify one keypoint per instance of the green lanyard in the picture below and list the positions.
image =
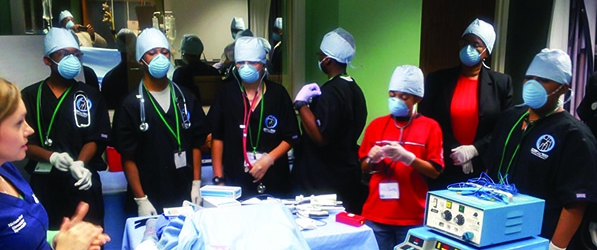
(48, 142)
(525, 132)
(177, 134)
(260, 123)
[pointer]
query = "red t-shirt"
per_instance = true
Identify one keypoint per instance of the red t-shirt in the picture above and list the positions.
(423, 137)
(464, 110)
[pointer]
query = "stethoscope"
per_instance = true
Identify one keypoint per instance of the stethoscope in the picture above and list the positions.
(246, 120)
(144, 126)
(81, 110)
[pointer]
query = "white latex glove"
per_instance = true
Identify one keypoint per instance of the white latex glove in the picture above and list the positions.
(261, 166)
(83, 175)
(376, 154)
(195, 192)
(462, 154)
(396, 152)
(61, 161)
(144, 207)
(307, 91)
(467, 167)
(554, 247)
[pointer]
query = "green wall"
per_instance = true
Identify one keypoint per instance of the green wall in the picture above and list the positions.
(387, 34)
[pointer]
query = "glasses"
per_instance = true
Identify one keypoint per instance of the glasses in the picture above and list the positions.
(64, 53)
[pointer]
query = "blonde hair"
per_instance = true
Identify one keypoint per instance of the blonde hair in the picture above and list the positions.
(10, 96)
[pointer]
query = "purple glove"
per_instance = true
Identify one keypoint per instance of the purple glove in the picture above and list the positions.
(307, 91)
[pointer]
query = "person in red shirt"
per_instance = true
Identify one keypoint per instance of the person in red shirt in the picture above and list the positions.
(401, 150)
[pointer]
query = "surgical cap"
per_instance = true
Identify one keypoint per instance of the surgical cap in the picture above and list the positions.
(484, 31)
(339, 45)
(64, 14)
(126, 40)
(552, 64)
(249, 49)
(237, 23)
(57, 39)
(407, 79)
(278, 23)
(149, 39)
(191, 44)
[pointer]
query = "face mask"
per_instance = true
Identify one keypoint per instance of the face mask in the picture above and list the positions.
(469, 56)
(276, 37)
(159, 66)
(248, 73)
(397, 107)
(69, 24)
(319, 64)
(69, 67)
(534, 95)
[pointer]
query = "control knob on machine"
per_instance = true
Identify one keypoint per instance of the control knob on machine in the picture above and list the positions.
(447, 215)
(459, 219)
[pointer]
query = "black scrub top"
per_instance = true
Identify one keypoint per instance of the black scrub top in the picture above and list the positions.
(279, 124)
(153, 150)
(56, 189)
(556, 161)
(341, 114)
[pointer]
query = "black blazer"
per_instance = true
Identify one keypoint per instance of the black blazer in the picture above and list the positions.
(495, 95)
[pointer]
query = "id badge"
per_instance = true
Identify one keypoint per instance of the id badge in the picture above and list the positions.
(43, 167)
(254, 157)
(389, 191)
(180, 159)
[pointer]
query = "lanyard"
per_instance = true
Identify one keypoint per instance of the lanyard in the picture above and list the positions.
(157, 110)
(260, 125)
(526, 131)
(247, 119)
(47, 141)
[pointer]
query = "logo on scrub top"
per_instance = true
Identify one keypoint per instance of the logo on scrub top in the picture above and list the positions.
(83, 105)
(544, 144)
(271, 122)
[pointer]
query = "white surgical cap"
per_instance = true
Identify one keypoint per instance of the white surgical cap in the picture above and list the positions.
(278, 23)
(249, 49)
(191, 44)
(64, 14)
(407, 79)
(552, 64)
(149, 39)
(339, 45)
(57, 39)
(237, 23)
(484, 31)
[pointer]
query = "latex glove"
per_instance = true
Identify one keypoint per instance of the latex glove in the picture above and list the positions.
(375, 154)
(307, 91)
(195, 192)
(80, 173)
(554, 247)
(462, 154)
(261, 166)
(61, 161)
(467, 167)
(396, 152)
(144, 207)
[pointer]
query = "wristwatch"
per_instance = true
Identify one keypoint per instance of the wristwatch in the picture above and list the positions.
(217, 180)
(299, 104)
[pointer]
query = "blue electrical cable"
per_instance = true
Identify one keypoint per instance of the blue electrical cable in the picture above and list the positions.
(485, 188)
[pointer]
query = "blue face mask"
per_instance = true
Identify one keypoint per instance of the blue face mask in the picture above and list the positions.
(397, 107)
(534, 95)
(276, 37)
(248, 73)
(319, 64)
(469, 56)
(159, 66)
(69, 24)
(69, 67)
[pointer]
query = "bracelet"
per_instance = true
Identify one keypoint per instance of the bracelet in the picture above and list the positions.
(299, 104)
